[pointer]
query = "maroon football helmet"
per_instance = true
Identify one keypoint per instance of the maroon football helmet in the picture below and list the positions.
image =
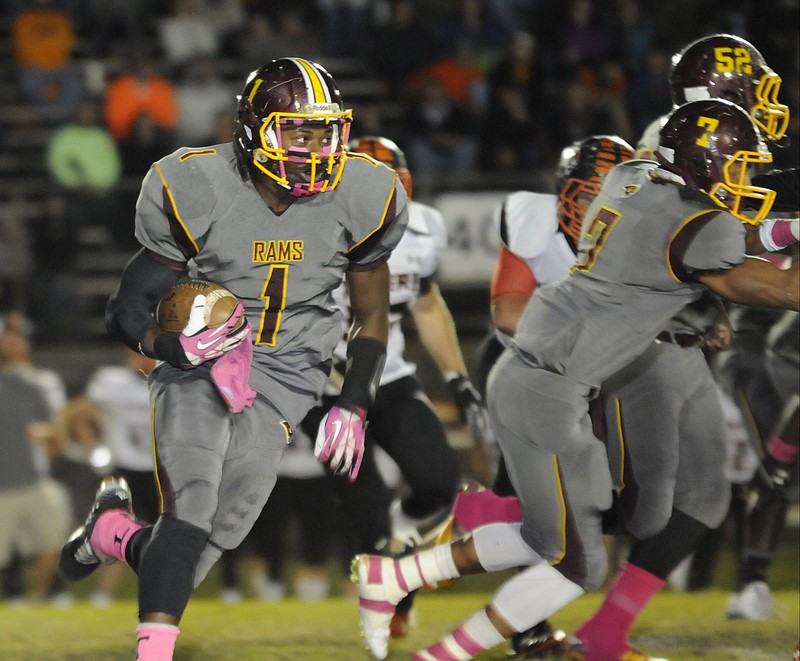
(711, 144)
(579, 176)
(293, 92)
(386, 151)
(723, 66)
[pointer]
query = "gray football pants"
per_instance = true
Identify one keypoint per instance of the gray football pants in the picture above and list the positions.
(215, 469)
(666, 440)
(558, 468)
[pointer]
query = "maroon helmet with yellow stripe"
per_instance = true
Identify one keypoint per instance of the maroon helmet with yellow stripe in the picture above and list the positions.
(293, 92)
(712, 144)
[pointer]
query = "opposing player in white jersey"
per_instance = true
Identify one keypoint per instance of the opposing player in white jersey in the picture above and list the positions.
(121, 393)
(402, 420)
(279, 217)
(653, 241)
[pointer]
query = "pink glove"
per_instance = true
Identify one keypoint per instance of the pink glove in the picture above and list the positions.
(201, 343)
(340, 440)
(231, 375)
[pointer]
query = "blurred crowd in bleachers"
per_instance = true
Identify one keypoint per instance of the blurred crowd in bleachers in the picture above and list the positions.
(481, 94)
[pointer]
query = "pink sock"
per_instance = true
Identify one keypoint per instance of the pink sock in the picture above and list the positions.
(605, 634)
(112, 532)
(155, 641)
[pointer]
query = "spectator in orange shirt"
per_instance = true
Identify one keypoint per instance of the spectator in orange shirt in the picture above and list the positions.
(43, 37)
(459, 75)
(140, 91)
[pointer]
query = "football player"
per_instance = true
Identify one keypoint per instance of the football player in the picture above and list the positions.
(539, 234)
(402, 420)
(657, 236)
(279, 216)
(761, 372)
(646, 461)
(729, 67)
(670, 476)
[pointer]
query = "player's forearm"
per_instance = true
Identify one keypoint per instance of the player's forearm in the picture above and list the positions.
(369, 303)
(437, 333)
(757, 282)
(506, 312)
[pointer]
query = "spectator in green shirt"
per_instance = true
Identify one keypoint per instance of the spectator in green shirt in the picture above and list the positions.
(82, 154)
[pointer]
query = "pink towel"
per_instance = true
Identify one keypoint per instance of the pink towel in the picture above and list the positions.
(231, 375)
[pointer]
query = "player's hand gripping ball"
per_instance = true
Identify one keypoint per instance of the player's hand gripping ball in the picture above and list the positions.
(208, 318)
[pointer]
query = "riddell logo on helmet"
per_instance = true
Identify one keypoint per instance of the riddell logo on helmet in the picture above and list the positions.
(321, 108)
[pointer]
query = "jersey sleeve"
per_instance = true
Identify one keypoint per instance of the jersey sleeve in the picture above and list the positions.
(710, 240)
(173, 209)
(511, 277)
(434, 225)
(527, 222)
(376, 212)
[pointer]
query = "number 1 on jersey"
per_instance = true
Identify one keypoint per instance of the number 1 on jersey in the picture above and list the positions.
(274, 295)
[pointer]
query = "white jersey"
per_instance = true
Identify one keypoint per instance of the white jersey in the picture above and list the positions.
(528, 226)
(122, 395)
(415, 259)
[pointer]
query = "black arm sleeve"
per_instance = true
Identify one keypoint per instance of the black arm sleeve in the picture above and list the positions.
(365, 359)
(129, 313)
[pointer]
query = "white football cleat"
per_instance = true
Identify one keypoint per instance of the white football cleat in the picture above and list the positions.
(378, 594)
(752, 602)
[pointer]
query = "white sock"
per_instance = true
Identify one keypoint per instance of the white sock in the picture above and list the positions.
(500, 546)
(533, 595)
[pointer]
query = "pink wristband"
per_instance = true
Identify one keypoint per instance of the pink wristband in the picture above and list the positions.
(781, 450)
(782, 234)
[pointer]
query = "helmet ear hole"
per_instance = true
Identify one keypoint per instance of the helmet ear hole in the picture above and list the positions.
(700, 168)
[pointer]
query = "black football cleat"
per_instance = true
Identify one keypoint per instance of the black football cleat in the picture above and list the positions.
(539, 642)
(78, 558)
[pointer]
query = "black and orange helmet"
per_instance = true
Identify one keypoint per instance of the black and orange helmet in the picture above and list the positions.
(386, 151)
(579, 176)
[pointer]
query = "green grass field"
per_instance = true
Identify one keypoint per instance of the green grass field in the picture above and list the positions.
(679, 626)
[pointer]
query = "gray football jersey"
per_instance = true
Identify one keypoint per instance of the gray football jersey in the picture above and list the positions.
(644, 238)
(197, 206)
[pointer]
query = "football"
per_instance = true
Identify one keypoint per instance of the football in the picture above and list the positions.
(172, 312)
